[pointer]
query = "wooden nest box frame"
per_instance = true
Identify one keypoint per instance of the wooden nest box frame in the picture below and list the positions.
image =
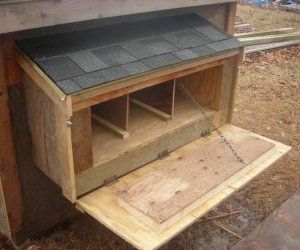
(121, 117)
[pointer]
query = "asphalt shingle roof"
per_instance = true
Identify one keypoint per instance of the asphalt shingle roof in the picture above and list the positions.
(84, 59)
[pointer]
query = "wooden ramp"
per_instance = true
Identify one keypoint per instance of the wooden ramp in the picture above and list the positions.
(281, 230)
(104, 203)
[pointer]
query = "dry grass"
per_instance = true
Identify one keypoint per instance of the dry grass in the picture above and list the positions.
(265, 19)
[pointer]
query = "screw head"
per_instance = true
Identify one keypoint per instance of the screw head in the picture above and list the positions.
(69, 123)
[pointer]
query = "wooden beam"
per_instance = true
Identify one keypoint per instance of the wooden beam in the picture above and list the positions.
(21, 15)
(264, 33)
(231, 71)
(230, 20)
(9, 174)
(82, 140)
(65, 152)
(12, 70)
(255, 48)
(247, 41)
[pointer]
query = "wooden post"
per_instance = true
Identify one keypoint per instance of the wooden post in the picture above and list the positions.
(8, 168)
(230, 20)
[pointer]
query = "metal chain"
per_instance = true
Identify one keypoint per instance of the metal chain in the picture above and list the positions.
(197, 104)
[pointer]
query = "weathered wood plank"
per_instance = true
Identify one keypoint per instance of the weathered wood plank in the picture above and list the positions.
(12, 69)
(9, 174)
(63, 134)
(230, 19)
(40, 112)
(32, 14)
(281, 230)
(177, 187)
(50, 207)
(82, 140)
(51, 137)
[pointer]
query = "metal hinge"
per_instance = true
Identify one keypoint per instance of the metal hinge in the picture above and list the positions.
(163, 154)
(110, 181)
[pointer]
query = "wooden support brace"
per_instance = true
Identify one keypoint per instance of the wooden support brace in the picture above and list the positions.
(115, 129)
(160, 114)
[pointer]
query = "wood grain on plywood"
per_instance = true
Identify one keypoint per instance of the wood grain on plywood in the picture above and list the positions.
(40, 13)
(115, 111)
(103, 206)
(175, 188)
(205, 86)
(160, 97)
(51, 137)
(40, 111)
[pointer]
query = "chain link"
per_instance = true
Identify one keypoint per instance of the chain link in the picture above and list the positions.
(197, 104)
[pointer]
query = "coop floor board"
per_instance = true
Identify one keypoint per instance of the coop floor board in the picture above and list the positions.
(103, 205)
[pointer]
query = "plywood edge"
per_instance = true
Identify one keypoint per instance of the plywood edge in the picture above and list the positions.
(102, 203)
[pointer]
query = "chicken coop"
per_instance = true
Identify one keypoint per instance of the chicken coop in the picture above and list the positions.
(121, 110)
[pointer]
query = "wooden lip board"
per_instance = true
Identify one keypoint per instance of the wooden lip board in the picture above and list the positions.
(103, 206)
(176, 187)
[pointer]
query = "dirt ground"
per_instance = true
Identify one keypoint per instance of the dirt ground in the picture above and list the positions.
(267, 103)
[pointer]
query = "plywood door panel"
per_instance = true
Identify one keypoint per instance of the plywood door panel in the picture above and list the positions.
(103, 206)
(176, 187)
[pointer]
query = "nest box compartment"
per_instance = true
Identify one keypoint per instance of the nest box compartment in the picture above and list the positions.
(113, 127)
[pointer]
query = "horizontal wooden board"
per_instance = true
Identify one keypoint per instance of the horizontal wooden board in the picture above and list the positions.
(36, 14)
(178, 186)
(103, 206)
